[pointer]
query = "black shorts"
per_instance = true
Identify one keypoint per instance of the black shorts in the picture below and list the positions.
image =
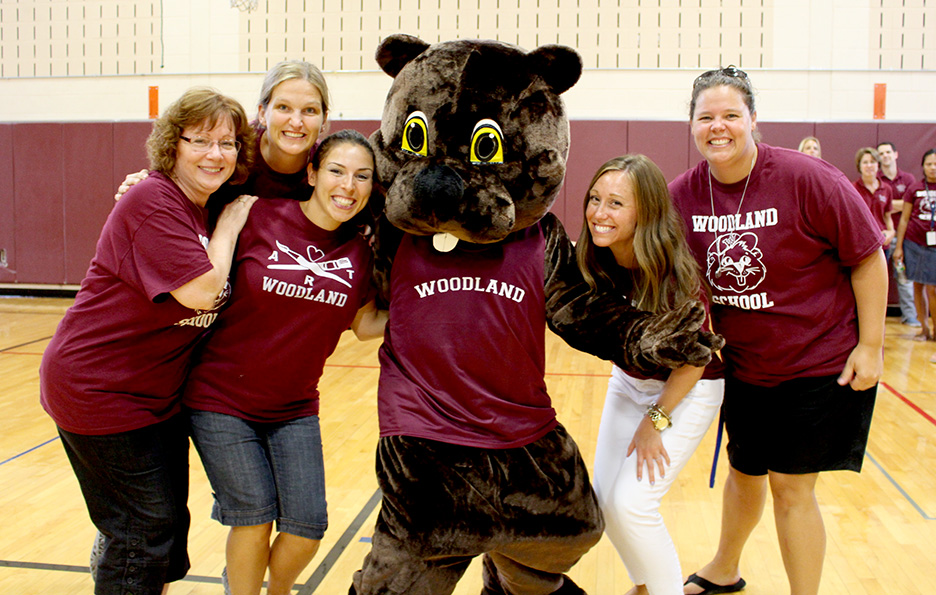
(804, 425)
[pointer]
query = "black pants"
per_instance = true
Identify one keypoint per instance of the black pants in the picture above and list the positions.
(135, 485)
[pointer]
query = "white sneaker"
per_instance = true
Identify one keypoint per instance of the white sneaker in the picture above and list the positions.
(97, 550)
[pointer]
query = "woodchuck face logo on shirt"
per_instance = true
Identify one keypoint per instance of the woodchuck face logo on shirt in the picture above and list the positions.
(734, 262)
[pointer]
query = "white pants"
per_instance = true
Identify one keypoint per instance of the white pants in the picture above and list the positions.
(632, 508)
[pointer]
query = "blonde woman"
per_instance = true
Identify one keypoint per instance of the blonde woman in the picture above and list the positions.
(810, 145)
(633, 242)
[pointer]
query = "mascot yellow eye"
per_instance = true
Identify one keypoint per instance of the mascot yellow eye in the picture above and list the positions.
(416, 134)
(487, 143)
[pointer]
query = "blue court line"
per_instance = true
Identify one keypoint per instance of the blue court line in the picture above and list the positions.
(307, 589)
(11, 347)
(29, 451)
(335, 552)
(84, 569)
(900, 489)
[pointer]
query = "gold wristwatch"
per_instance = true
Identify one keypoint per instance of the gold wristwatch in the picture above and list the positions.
(658, 417)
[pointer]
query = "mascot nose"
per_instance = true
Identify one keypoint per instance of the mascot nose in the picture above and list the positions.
(439, 189)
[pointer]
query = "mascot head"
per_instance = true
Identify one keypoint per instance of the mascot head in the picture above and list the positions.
(474, 137)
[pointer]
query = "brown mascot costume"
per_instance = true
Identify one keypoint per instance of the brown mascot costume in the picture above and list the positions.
(471, 460)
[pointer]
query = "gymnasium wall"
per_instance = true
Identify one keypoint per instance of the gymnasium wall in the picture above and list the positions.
(57, 179)
(810, 60)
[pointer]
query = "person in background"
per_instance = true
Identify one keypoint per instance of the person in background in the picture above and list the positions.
(301, 277)
(633, 243)
(899, 180)
(112, 375)
(878, 195)
(799, 282)
(916, 244)
(810, 145)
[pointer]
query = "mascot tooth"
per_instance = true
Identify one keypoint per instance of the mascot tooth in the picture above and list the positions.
(472, 461)
(444, 242)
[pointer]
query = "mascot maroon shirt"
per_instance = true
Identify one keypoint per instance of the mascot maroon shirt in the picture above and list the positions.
(451, 312)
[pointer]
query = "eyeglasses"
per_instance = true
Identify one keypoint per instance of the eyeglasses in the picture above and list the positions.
(201, 144)
(729, 71)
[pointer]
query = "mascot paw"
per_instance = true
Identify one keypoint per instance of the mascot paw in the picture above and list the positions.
(676, 338)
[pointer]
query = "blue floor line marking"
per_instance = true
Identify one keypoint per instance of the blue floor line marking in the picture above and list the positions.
(900, 489)
(12, 347)
(322, 570)
(14, 457)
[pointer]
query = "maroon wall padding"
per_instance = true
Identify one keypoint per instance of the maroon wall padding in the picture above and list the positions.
(365, 127)
(38, 166)
(593, 142)
(7, 212)
(57, 180)
(911, 141)
(668, 144)
(89, 192)
(786, 134)
(129, 142)
(841, 140)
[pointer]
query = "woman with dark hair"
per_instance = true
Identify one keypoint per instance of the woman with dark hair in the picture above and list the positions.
(112, 375)
(633, 243)
(916, 244)
(799, 289)
(301, 277)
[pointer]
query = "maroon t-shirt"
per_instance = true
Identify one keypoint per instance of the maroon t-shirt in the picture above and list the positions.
(779, 265)
(899, 183)
(119, 356)
(921, 217)
(296, 288)
(880, 203)
(463, 360)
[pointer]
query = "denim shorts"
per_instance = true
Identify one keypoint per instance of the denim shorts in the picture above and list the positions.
(264, 472)
(921, 262)
(135, 485)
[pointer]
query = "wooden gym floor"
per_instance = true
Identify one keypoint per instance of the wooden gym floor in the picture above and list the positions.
(881, 524)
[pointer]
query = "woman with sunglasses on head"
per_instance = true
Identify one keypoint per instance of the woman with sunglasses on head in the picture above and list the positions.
(793, 258)
(112, 375)
(633, 243)
(916, 244)
(301, 277)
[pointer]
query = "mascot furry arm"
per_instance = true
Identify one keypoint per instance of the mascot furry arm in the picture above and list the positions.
(472, 147)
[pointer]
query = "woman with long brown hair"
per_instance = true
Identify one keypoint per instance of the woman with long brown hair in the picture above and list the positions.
(633, 242)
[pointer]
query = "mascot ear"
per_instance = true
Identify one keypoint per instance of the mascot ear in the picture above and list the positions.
(396, 51)
(558, 65)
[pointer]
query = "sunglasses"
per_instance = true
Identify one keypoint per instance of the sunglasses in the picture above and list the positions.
(729, 71)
